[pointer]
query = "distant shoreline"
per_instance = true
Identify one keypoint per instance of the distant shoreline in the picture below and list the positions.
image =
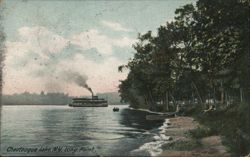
(34, 104)
(45, 104)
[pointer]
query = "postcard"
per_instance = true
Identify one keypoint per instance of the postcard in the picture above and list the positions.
(125, 78)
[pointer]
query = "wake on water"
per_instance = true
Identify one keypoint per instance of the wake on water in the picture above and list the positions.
(154, 147)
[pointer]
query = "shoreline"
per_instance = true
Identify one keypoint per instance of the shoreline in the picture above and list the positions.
(147, 110)
(174, 139)
(159, 138)
(183, 145)
(53, 104)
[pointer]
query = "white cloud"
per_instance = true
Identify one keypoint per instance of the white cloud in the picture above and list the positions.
(123, 42)
(35, 46)
(21, 54)
(93, 39)
(41, 39)
(104, 44)
(115, 26)
(32, 54)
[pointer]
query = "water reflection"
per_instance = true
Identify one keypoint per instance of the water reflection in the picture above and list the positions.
(137, 119)
(65, 127)
(108, 132)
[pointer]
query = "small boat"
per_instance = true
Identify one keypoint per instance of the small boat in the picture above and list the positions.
(115, 109)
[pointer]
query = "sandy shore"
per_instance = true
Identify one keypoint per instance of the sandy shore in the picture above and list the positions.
(206, 147)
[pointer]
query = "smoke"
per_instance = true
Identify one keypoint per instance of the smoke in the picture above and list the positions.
(88, 88)
(77, 78)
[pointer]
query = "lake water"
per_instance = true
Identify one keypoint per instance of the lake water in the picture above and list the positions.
(62, 130)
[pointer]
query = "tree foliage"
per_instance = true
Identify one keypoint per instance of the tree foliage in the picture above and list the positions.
(202, 55)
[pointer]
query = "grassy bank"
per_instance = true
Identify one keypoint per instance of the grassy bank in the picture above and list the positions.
(188, 140)
(232, 123)
(186, 144)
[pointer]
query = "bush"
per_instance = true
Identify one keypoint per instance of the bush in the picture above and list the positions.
(201, 132)
(227, 122)
(193, 110)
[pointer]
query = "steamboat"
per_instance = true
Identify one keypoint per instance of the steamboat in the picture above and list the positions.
(94, 101)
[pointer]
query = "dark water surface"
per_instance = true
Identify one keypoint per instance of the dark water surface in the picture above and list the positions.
(78, 131)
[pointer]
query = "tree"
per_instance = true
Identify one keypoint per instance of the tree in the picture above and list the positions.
(203, 54)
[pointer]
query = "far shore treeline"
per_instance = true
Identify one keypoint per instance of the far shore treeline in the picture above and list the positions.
(201, 56)
(51, 98)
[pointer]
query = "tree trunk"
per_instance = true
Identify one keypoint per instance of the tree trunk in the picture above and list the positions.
(192, 98)
(222, 93)
(241, 95)
(173, 99)
(197, 92)
(209, 96)
(146, 101)
(226, 98)
(222, 96)
(163, 103)
(152, 106)
(167, 102)
(214, 99)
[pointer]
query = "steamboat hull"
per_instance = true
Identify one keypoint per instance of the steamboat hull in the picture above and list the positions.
(88, 105)
(87, 102)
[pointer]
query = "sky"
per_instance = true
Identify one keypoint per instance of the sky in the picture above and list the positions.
(47, 39)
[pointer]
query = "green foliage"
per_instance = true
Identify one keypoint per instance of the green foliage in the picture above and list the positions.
(193, 110)
(201, 132)
(203, 54)
(233, 123)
